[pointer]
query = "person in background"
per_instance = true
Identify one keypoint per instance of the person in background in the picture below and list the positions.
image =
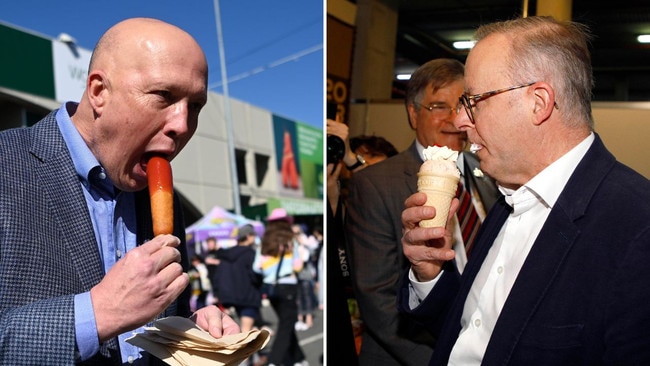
(369, 149)
(341, 349)
(279, 216)
(376, 200)
(372, 149)
(211, 261)
(237, 284)
(200, 282)
(350, 158)
(75, 212)
(317, 261)
(277, 260)
(559, 274)
(307, 245)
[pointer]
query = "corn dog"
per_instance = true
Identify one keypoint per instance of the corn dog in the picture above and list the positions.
(159, 176)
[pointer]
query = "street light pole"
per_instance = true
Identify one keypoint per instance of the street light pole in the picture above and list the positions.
(228, 115)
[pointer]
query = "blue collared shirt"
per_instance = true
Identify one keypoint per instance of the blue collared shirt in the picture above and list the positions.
(112, 213)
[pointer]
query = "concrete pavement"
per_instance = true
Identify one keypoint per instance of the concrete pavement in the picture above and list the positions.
(311, 340)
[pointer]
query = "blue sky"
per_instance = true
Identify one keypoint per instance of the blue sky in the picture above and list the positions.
(273, 49)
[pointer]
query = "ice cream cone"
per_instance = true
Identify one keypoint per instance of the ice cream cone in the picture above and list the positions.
(440, 190)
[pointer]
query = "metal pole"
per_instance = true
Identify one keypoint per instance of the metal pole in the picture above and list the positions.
(559, 9)
(228, 116)
(524, 11)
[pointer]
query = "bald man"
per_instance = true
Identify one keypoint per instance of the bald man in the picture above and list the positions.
(80, 268)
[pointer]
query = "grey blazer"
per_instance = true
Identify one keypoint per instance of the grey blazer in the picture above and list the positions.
(374, 230)
(48, 250)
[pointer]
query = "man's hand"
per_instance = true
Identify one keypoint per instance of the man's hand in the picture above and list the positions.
(138, 287)
(426, 248)
(215, 321)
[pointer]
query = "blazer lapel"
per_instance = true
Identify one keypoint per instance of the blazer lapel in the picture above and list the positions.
(486, 236)
(412, 165)
(547, 256)
(64, 199)
(535, 277)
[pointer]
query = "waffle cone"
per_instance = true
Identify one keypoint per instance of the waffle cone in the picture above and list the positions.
(440, 190)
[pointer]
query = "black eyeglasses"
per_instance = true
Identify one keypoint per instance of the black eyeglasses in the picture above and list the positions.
(440, 110)
(469, 101)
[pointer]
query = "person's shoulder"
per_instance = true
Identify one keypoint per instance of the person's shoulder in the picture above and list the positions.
(239, 249)
(44, 136)
(16, 135)
(631, 182)
(608, 188)
(599, 161)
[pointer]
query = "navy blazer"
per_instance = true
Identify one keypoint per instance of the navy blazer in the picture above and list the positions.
(48, 250)
(582, 295)
(374, 230)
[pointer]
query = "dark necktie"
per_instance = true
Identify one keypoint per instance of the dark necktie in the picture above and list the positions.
(467, 217)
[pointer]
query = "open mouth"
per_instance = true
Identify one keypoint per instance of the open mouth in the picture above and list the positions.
(149, 155)
(474, 148)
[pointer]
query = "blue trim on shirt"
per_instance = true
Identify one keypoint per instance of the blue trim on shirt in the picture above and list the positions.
(85, 326)
(112, 214)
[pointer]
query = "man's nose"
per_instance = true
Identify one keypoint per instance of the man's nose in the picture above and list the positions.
(462, 121)
(178, 119)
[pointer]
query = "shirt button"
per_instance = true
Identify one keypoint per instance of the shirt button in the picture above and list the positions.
(477, 323)
(130, 359)
(500, 269)
(119, 253)
(101, 175)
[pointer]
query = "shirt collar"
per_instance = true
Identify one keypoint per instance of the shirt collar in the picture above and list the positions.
(420, 149)
(547, 186)
(90, 172)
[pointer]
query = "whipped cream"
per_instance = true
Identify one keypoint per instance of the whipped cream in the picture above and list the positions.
(440, 160)
(440, 153)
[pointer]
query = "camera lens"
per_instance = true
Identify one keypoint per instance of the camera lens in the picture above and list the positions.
(335, 149)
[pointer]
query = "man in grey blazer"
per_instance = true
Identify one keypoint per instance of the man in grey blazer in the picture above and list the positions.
(79, 266)
(559, 273)
(375, 202)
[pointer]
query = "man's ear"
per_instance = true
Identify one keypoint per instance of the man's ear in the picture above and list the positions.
(544, 95)
(97, 90)
(413, 121)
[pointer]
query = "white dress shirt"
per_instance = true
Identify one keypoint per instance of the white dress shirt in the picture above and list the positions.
(531, 205)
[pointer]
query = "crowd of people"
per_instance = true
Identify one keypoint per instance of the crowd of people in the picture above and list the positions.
(280, 268)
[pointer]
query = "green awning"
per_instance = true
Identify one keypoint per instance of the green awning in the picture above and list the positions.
(296, 206)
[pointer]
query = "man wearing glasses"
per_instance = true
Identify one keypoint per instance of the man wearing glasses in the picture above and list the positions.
(559, 272)
(376, 200)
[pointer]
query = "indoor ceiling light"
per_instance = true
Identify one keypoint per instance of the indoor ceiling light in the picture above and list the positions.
(644, 38)
(403, 76)
(463, 45)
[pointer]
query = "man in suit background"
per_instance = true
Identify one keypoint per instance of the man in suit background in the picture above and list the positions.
(559, 273)
(375, 202)
(80, 268)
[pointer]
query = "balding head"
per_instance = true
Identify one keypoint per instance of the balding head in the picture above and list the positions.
(147, 82)
(135, 38)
